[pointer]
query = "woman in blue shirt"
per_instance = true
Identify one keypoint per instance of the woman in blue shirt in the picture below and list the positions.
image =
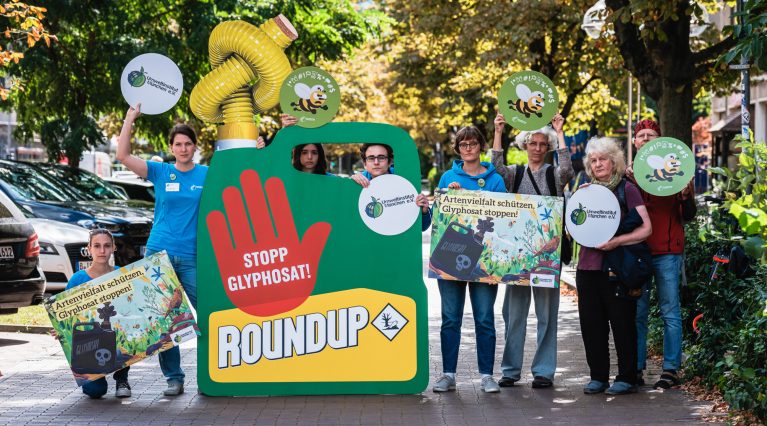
(101, 245)
(468, 173)
(178, 188)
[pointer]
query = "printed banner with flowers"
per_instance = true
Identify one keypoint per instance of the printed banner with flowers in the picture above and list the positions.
(122, 317)
(496, 238)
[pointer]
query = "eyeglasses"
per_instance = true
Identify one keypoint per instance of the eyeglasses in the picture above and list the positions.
(376, 158)
(467, 145)
(97, 231)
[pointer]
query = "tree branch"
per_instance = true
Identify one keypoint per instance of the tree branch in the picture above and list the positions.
(714, 50)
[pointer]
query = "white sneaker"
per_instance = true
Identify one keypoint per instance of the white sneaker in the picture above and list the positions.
(444, 384)
(489, 385)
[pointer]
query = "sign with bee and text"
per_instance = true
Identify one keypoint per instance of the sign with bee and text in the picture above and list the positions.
(497, 238)
(121, 318)
(311, 95)
(664, 166)
(528, 100)
(314, 284)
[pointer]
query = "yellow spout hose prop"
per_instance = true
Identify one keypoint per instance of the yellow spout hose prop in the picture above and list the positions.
(241, 54)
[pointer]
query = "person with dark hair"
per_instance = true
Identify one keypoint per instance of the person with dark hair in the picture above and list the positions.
(667, 215)
(472, 174)
(101, 245)
(310, 158)
(178, 188)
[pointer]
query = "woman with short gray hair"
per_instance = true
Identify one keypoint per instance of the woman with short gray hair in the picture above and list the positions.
(600, 305)
(537, 178)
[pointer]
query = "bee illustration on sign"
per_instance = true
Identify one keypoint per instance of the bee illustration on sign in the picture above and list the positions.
(529, 102)
(664, 168)
(310, 98)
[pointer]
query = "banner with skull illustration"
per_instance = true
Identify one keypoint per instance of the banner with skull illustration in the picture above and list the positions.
(496, 238)
(122, 317)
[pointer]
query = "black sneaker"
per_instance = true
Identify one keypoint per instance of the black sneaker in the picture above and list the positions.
(123, 390)
(640, 378)
(506, 382)
(540, 382)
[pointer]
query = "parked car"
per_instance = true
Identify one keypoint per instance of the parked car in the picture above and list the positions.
(136, 188)
(91, 186)
(46, 198)
(21, 279)
(63, 251)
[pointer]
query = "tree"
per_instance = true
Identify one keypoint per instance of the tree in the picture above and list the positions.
(71, 84)
(751, 34)
(24, 27)
(654, 41)
(453, 56)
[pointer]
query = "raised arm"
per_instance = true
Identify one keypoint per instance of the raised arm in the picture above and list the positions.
(564, 171)
(133, 163)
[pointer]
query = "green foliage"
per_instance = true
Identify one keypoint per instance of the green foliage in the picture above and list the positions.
(746, 194)
(516, 156)
(71, 83)
(751, 34)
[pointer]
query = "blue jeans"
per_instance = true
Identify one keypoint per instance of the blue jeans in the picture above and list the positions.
(98, 388)
(516, 305)
(186, 270)
(667, 270)
(482, 296)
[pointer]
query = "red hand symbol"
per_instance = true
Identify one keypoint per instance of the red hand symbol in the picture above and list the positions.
(271, 273)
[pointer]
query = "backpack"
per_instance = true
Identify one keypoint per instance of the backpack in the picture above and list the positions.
(566, 245)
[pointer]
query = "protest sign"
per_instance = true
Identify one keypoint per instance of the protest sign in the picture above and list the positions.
(152, 80)
(496, 238)
(664, 166)
(593, 215)
(387, 205)
(528, 100)
(311, 95)
(302, 295)
(122, 317)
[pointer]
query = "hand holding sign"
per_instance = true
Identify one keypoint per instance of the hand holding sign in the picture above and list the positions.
(271, 273)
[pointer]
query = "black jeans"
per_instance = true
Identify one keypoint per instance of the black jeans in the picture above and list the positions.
(600, 310)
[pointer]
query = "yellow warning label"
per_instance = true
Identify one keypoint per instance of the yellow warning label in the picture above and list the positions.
(354, 335)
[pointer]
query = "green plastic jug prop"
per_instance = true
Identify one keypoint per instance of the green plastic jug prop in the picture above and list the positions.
(296, 295)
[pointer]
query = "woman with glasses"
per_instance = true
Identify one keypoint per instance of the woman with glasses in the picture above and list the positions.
(178, 188)
(101, 246)
(472, 174)
(536, 178)
(378, 159)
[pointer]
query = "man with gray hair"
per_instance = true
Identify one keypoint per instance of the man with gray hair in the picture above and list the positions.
(537, 178)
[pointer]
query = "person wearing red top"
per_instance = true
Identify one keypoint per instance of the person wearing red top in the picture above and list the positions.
(667, 215)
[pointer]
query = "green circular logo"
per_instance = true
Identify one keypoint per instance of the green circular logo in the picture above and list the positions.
(311, 95)
(374, 208)
(578, 216)
(528, 100)
(664, 166)
(137, 78)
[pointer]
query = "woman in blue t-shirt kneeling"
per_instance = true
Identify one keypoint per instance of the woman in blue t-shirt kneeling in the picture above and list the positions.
(101, 245)
(178, 188)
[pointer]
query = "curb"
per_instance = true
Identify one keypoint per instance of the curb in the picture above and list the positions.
(34, 329)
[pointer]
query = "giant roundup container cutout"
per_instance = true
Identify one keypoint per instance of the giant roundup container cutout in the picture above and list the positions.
(300, 296)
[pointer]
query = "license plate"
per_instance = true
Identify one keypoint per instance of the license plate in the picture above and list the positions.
(6, 252)
(83, 265)
(141, 250)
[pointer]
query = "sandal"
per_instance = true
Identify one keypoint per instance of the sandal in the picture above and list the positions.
(667, 380)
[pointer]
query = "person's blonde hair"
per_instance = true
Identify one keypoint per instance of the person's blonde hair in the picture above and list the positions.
(608, 146)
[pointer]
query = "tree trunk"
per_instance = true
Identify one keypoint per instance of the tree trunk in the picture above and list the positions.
(676, 112)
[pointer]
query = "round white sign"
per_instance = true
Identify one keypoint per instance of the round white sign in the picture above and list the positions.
(152, 80)
(592, 215)
(387, 206)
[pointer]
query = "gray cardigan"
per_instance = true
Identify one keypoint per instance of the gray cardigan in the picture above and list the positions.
(562, 174)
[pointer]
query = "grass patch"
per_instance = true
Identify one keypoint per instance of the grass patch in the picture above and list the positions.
(31, 315)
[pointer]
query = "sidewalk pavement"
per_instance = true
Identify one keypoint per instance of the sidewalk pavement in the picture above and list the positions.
(37, 388)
